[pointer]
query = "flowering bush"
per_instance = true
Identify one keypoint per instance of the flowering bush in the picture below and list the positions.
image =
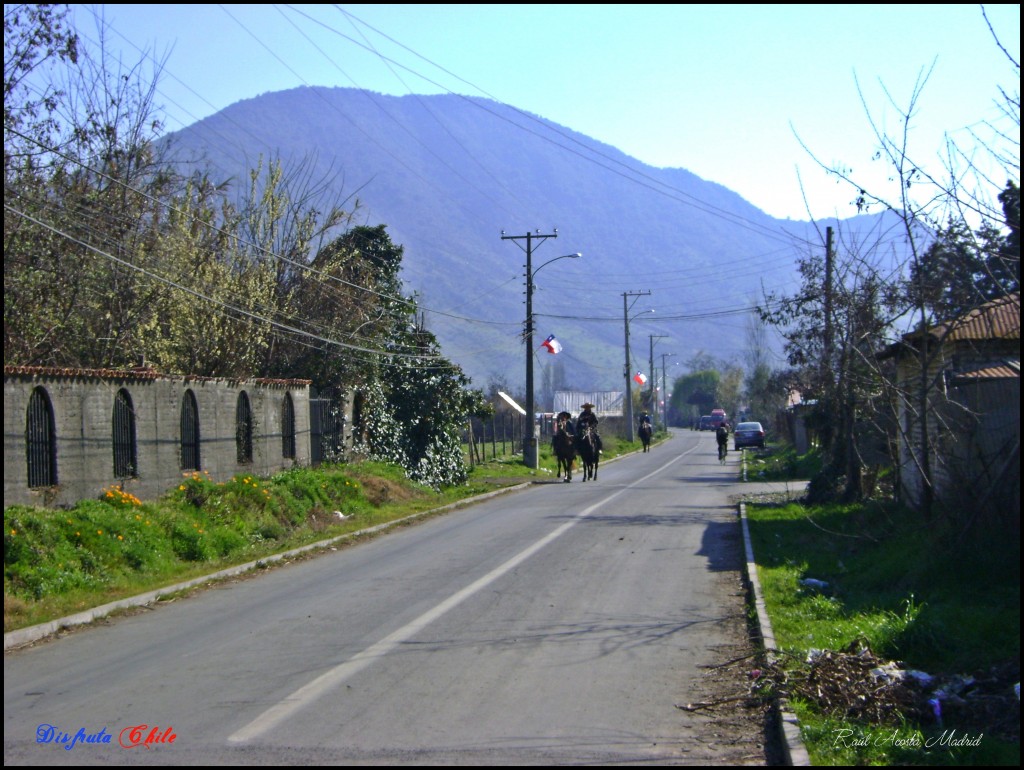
(117, 496)
(196, 488)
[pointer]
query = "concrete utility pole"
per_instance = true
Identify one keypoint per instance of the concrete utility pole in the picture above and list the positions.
(629, 380)
(530, 435)
(664, 390)
(653, 380)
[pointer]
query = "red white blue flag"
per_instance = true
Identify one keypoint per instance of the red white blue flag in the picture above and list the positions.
(640, 378)
(553, 345)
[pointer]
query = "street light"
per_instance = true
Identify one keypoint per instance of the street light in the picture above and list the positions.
(530, 442)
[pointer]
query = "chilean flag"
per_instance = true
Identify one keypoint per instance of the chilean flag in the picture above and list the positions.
(640, 378)
(553, 345)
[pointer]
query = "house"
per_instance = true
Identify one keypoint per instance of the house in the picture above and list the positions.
(964, 376)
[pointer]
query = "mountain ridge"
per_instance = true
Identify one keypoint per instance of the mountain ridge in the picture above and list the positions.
(449, 174)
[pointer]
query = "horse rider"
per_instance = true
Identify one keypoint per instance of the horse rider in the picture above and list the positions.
(645, 419)
(565, 417)
(588, 419)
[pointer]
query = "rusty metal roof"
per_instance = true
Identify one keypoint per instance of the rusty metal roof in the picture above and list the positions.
(1005, 370)
(997, 319)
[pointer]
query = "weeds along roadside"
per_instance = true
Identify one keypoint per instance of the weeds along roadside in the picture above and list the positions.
(59, 562)
(871, 582)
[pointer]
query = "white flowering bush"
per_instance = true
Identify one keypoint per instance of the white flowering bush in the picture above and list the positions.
(413, 417)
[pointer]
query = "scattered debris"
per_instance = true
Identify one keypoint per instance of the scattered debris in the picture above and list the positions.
(819, 585)
(856, 684)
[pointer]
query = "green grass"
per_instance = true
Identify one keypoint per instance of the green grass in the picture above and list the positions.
(780, 462)
(935, 601)
(58, 562)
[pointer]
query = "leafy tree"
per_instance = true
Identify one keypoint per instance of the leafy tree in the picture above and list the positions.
(696, 391)
(1002, 252)
(82, 178)
(701, 361)
(729, 389)
(756, 384)
(962, 269)
(37, 39)
(413, 403)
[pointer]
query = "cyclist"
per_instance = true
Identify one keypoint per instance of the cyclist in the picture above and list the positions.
(722, 436)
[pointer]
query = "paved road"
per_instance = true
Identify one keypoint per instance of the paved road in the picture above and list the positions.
(558, 625)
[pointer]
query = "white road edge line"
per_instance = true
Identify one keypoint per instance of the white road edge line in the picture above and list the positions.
(309, 693)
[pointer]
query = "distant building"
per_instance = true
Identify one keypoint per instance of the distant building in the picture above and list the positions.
(607, 403)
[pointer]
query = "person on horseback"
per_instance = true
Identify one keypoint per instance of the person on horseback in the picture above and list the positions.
(645, 419)
(565, 420)
(588, 419)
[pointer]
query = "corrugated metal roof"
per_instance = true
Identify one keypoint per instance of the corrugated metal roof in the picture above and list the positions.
(995, 320)
(998, 319)
(1007, 370)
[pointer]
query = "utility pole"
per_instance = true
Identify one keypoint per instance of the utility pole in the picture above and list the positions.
(654, 404)
(828, 301)
(530, 436)
(629, 386)
(828, 394)
(664, 390)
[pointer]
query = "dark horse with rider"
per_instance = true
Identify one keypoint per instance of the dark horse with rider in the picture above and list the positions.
(645, 430)
(588, 441)
(563, 444)
(581, 440)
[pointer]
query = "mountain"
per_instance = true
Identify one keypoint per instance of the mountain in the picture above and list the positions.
(450, 174)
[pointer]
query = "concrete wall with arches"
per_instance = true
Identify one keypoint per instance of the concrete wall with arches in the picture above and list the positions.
(79, 439)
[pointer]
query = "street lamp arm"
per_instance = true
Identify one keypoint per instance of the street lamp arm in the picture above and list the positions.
(577, 255)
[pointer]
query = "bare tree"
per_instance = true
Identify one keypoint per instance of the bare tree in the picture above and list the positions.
(972, 193)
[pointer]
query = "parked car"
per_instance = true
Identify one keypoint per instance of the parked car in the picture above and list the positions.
(748, 434)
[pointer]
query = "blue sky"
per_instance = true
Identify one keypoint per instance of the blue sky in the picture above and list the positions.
(723, 91)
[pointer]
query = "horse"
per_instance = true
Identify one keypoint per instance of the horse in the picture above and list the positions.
(645, 435)
(586, 445)
(564, 446)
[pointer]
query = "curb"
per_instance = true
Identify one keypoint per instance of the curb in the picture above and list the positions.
(789, 725)
(30, 634)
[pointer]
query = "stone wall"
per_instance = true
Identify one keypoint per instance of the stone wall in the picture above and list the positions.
(82, 403)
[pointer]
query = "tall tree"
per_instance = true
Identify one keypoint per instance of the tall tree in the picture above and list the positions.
(37, 41)
(921, 199)
(696, 394)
